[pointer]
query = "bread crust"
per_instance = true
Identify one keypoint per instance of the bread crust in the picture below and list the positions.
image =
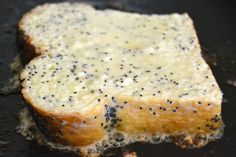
(65, 129)
(180, 120)
(28, 50)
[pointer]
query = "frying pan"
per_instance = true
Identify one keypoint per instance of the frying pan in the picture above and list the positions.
(215, 23)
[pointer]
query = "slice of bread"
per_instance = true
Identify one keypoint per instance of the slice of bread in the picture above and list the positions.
(108, 78)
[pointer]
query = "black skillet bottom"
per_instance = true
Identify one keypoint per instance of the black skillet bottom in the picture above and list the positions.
(216, 27)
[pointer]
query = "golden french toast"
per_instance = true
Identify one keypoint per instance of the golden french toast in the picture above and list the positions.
(102, 79)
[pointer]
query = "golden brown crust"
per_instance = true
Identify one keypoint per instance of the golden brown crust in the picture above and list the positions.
(29, 50)
(187, 118)
(73, 129)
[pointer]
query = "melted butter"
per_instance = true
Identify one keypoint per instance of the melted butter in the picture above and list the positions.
(13, 84)
(29, 130)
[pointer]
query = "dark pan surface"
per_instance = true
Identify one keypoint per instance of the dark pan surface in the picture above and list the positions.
(215, 23)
